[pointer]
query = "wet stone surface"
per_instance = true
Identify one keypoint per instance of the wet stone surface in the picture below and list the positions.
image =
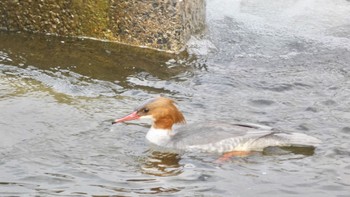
(162, 24)
(166, 24)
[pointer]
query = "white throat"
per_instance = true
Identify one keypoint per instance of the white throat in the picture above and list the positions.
(159, 137)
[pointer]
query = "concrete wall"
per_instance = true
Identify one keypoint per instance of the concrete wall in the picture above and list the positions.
(159, 24)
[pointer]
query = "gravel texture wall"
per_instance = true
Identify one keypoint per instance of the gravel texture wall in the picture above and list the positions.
(158, 24)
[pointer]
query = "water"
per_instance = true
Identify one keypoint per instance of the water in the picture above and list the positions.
(280, 63)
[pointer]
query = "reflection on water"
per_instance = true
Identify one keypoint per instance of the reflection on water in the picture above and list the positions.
(305, 151)
(284, 64)
(88, 65)
(162, 164)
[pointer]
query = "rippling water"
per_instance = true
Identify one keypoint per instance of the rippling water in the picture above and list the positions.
(284, 64)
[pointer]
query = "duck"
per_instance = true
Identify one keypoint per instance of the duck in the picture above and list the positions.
(210, 136)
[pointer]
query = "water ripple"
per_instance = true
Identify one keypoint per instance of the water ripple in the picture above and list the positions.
(65, 81)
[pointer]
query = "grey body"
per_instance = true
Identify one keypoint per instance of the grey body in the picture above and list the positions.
(225, 137)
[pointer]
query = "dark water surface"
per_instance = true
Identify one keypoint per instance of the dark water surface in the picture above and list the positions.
(285, 64)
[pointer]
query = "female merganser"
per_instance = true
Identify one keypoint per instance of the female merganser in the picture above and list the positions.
(210, 136)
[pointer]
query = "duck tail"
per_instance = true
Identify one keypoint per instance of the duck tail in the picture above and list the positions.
(298, 139)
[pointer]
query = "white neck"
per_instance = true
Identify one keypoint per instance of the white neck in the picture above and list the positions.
(159, 137)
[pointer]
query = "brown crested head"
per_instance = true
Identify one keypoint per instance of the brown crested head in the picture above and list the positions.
(163, 111)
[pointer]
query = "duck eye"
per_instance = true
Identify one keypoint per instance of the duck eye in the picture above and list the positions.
(145, 110)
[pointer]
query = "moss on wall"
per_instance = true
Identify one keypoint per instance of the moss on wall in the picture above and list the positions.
(61, 17)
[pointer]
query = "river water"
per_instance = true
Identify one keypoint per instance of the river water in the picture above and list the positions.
(282, 63)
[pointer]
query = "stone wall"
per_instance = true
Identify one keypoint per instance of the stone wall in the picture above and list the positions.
(159, 24)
